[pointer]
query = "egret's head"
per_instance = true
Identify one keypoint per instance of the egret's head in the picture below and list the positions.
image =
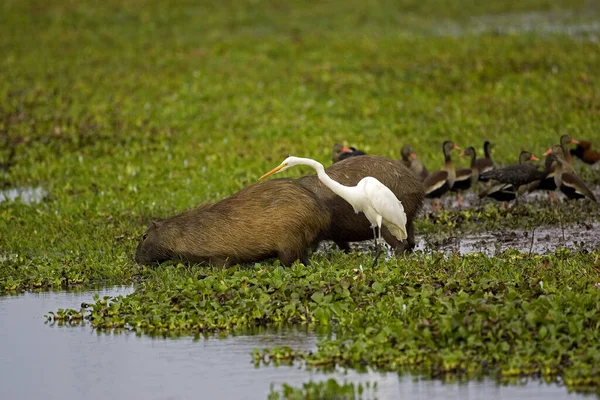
(287, 163)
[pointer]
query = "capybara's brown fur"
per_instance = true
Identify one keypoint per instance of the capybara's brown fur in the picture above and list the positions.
(276, 218)
(346, 225)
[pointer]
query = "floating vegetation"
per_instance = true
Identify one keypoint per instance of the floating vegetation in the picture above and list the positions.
(329, 389)
(511, 315)
(124, 117)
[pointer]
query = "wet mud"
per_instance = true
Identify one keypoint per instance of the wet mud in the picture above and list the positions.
(539, 240)
(471, 200)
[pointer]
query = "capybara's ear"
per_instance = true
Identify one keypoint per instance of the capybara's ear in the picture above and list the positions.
(156, 223)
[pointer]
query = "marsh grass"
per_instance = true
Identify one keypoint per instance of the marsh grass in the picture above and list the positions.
(124, 112)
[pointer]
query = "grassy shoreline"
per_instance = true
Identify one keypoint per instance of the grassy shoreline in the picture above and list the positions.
(124, 112)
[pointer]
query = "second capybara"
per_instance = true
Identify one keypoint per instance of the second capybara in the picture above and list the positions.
(276, 218)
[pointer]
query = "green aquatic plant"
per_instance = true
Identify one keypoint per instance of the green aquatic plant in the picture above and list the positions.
(124, 116)
(513, 314)
(120, 134)
(329, 389)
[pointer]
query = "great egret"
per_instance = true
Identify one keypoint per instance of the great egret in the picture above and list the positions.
(370, 196)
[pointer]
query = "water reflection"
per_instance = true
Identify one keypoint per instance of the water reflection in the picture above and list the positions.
(40, 361)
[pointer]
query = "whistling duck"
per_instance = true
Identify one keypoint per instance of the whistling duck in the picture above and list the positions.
(584, 152)
(565, 141)
(566, 179)
(548, 183)
(519, 174)
(500, 191)
(485, 164)
(409, 158)
(439, 182)
(341, 152)
(466, 177)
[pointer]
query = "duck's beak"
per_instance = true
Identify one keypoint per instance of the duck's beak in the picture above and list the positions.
(346, 149)
(273, 171)
(549, 151)
(462, 154)
(574, 141)
(534, 158)
(413, 155)
(456, 147)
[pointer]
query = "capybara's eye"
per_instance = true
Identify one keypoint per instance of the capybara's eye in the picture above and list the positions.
(144, 236)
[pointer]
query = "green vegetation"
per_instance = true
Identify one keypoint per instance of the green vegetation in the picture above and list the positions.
(507, 316)
(324, 390)
(127, 112)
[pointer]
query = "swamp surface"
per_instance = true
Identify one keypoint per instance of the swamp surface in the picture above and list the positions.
(116, 113)
(93, 365)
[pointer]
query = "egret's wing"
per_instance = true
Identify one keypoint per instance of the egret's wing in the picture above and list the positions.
(386, 204)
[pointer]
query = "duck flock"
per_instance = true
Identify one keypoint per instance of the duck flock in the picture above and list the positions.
(502, 184)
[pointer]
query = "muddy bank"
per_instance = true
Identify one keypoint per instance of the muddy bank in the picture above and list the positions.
(470, 199)
(540, 240)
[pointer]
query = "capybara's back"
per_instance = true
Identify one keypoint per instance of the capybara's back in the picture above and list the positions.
(276, 218)
(346, 225)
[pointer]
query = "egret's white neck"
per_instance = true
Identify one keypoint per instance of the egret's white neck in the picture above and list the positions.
(344, 192)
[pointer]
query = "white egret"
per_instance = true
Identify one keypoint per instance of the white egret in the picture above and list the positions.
(371, 197)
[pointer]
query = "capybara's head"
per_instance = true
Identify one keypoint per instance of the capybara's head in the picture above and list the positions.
(153, 245)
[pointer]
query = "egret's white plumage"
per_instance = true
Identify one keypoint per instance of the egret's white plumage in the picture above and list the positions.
(379, 204)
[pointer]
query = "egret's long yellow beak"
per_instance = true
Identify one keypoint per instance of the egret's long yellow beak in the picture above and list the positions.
(273, 171)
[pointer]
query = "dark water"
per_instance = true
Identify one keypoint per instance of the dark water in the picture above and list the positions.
(38, 361)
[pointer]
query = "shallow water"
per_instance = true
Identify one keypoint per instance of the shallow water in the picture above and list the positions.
(540, 240)
(27, 195)
(580, 25)
(60, 362)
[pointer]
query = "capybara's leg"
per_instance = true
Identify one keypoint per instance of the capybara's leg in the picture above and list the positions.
(304, 257)
(391, 239)
(287, 257)
(410, 230)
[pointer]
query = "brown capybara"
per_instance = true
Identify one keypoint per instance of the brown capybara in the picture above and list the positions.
(276, 218)
(346, 225)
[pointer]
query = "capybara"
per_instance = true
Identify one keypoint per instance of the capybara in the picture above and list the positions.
(276, 218)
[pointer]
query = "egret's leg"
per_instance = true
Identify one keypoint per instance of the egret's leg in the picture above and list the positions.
(377, 246)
